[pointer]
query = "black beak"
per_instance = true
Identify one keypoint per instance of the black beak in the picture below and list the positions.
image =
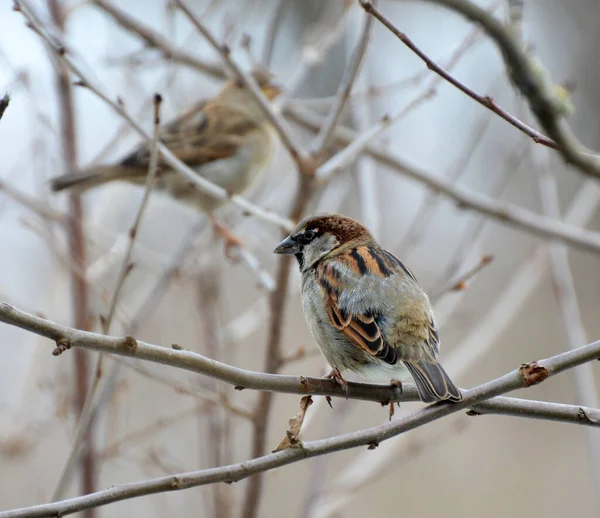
(288, 246)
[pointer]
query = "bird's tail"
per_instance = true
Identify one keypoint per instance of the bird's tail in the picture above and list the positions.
(90, 178)
(433, 383)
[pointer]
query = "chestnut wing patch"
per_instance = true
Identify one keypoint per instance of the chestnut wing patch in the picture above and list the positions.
(361, 329)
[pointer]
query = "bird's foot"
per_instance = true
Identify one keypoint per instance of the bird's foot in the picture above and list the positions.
(231, 240)
(336, 376)
(394, 383)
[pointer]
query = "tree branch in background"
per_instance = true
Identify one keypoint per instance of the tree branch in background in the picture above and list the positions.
(273, 355)
(460, 283)
(503, 212)
(287, 138)
(271, 32)
(484, 100)
(156, 41)
(527, 74)
(203, 184)
(313, 53)
(525, 376)
(34, 205)
(79, 287)
(566, 298)
(325, 133)
(66, 337)
(88, 410)
(4, 102)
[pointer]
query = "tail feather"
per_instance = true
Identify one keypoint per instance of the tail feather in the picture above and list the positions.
(94, 177)
(433, 383)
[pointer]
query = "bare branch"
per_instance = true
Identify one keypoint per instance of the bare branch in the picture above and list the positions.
(539, 410)
(87, 411)
(203, 184)
(314, 53)
(484, 100)
(155, 40)
(524, 376)
(460, 283)
(527, 74)
(77, 253)
(67, 337)
(286, 136)
(326, 131)
(271, 32)
(566, 296)
(4, 102)
(273, 356)
(35, 206)
(133, 232)
(506, 213)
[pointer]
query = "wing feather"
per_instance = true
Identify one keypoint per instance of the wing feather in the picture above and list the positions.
(361, 328)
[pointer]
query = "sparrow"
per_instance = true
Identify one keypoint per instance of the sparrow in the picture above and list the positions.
(227, 140)
(365, 308)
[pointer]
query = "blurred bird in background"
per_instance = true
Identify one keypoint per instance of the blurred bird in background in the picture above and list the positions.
(228, 140)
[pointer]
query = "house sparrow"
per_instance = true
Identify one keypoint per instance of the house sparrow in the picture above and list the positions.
(227, 140)
(364, 308)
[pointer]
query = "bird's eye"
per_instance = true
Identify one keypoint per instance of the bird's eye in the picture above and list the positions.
(308, 236)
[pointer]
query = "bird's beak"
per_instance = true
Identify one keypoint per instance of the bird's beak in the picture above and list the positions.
(288, 246)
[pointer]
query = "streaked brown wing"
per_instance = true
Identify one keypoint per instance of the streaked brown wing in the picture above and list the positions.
(361, 329)
(206, 133)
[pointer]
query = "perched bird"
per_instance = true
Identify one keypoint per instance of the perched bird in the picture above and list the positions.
(364, 308)
(227, 140)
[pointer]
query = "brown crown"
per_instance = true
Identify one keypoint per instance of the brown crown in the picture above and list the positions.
(343, 228)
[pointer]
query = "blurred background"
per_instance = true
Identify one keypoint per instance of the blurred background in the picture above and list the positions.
(150, 420)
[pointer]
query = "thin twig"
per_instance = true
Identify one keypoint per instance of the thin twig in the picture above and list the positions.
(4, 102)
(325, 133)
(280, 125)
(566, 296)
(508, 304)
(484, 100)
(524, 376)
(271, 32)
(273, 355)
(503, 212)
(133, 232)
(314, 53)
(87, 412)
(527, 74)
(155, 295)
(155, 40)
(77, 252)
(34, 205)
(417, 228)
(203, 184)
(460, 283)
(349, 154)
